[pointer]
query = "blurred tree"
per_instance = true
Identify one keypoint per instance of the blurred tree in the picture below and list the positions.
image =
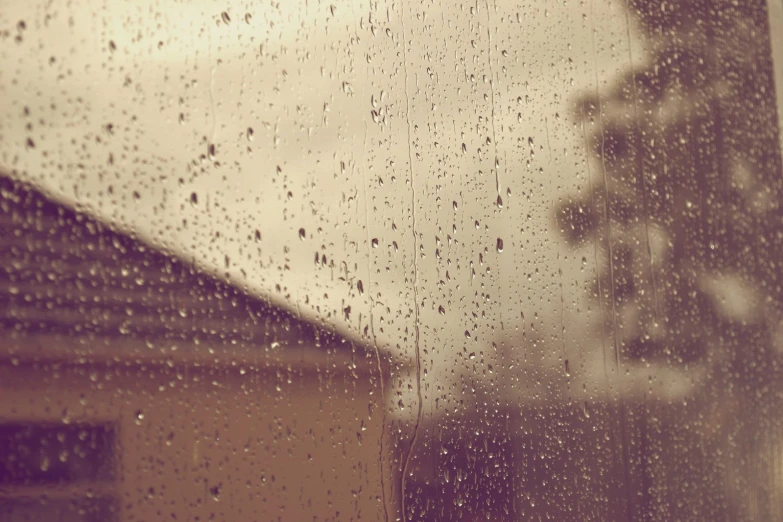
(688, 219)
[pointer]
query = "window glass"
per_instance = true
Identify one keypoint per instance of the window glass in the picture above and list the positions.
(391, 260)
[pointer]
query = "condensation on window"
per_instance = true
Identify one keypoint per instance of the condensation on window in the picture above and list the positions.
(391, 260)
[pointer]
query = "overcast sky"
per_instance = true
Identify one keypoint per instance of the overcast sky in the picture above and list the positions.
(345, 160)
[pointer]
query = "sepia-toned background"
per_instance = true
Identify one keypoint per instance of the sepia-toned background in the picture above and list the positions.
(391, 260)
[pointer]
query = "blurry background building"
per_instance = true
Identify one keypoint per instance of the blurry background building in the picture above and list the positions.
(135, 387)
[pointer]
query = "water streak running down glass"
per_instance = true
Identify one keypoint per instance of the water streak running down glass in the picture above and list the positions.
(391, 260)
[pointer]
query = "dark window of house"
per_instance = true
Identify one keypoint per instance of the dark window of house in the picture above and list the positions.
(57, 472)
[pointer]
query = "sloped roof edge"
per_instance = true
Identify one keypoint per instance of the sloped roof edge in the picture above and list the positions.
(67, 272)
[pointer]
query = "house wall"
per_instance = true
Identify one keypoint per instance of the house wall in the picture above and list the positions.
(199, 442)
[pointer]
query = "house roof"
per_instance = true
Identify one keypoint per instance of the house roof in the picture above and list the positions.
(73, 286)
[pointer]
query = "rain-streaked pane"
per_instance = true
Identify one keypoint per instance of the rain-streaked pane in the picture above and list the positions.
(391, 260)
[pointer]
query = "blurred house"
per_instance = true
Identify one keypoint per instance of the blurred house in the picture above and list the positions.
(135, 387)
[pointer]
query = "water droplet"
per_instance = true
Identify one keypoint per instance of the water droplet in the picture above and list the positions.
(500, 245)
(360, 286)
(250, 133)
(302, 234)
(225, 17)
(375, 242)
